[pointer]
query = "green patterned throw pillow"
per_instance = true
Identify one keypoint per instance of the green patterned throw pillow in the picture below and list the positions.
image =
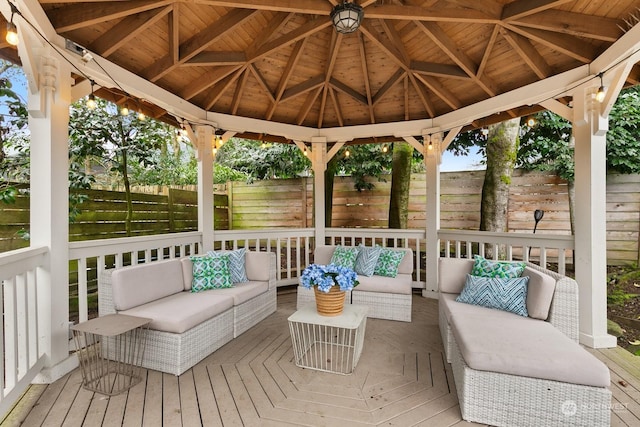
(495, 292)
(236, 264)
(210, 272)
(367, 259)
(344, 256)
(388, 263)
(503, 269)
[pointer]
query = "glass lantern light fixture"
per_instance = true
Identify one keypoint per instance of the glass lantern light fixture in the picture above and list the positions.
(346, 17)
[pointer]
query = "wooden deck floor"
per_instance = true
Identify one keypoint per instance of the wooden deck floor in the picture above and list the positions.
(401, 379)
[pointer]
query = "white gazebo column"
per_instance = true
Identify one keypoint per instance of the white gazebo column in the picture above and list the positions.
(319, 165)
(589, 130)
(49, 95)
(432, 159)
(204, 143)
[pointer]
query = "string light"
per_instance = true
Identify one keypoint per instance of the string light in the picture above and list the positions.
(141, 116)
(124, 111)
(12, 31)
(385, 148)
(91, 102)
(430, 146)
(485, 131)
(601, 90)
(531, 121)
(305, 151)
(347, 153)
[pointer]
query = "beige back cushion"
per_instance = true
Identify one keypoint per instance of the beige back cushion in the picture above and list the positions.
(453, 274)
(323, 254)
(539, 293)
(257, 265)
(139, 284)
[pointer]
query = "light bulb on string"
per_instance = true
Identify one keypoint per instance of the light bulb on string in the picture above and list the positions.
(385, 148)
(485, 131)
(124, 111)
(601, 90)
(91, 101)
(531, 121)
(347, 153)
(141, 116)
(12, 31)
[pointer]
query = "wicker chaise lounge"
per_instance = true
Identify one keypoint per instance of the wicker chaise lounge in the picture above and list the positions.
(187, 326)
(511, 370)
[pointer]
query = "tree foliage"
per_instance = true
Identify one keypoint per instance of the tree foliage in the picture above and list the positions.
(258, 161)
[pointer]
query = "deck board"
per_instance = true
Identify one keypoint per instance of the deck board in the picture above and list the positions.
(401, 379)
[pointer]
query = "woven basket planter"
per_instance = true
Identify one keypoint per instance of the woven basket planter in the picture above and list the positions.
(331, 303)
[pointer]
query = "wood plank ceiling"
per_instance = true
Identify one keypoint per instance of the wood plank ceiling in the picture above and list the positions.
(283, 61)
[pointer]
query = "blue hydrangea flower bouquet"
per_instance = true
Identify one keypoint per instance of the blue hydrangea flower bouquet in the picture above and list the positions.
(324, 277)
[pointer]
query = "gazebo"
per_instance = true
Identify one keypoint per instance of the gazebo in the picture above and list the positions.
(418, 71)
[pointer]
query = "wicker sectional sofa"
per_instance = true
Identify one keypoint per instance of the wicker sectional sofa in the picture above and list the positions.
(386, 297)
(188, 326)
(511, 370)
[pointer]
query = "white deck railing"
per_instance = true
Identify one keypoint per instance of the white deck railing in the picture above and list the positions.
(292, 248)
(541, 249)
(22, 353)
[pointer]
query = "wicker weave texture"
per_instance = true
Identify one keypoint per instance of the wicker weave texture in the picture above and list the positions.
(384, 305)
(253, 311)
(509, 400)
(175, 353)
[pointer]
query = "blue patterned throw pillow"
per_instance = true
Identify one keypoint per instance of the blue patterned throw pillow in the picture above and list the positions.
(494, 292)
(367, 259)
(503, 269)
(388, 263)
(210, 272)
(236, 264)
(344, 256)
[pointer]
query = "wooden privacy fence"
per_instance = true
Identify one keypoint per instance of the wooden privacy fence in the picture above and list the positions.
(289, 204)
(103, 214)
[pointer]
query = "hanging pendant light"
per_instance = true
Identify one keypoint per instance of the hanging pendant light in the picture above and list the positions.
(347, 17)
(601, 90)
(91, 102)
(12, 31)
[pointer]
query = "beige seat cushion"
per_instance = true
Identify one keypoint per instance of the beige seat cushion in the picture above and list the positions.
(180, 312)
(525, 347)
(243, 292)
(401, 284)
(140, 284)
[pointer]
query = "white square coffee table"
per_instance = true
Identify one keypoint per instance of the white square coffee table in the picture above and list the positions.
(329, 344)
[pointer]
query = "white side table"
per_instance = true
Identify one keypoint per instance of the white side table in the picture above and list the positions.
(110, 349)
(329, 344)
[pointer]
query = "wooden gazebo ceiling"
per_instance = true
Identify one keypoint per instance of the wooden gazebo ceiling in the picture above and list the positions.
(283, 61)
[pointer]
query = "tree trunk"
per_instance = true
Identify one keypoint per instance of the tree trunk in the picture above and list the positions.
(502, 148)
(127, 192)
(329, 175)
(400, 182)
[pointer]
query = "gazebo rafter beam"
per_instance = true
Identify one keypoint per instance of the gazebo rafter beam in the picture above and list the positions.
(575, 24)
(442, 92)
(528, 53)
(237, 95)
(365, 73)
(127, 29)
(207, 80)
(306, 107)
(209, 58)
(286, 75)
(221, 87)
(197, 43)
(303, 87)
(341, 87)
(565, 44)
(426, 102)
(448, 46)
(440, 70)
(76, 16)
(390, 83)
(521, 8)
(261, 81)
(336, 106)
